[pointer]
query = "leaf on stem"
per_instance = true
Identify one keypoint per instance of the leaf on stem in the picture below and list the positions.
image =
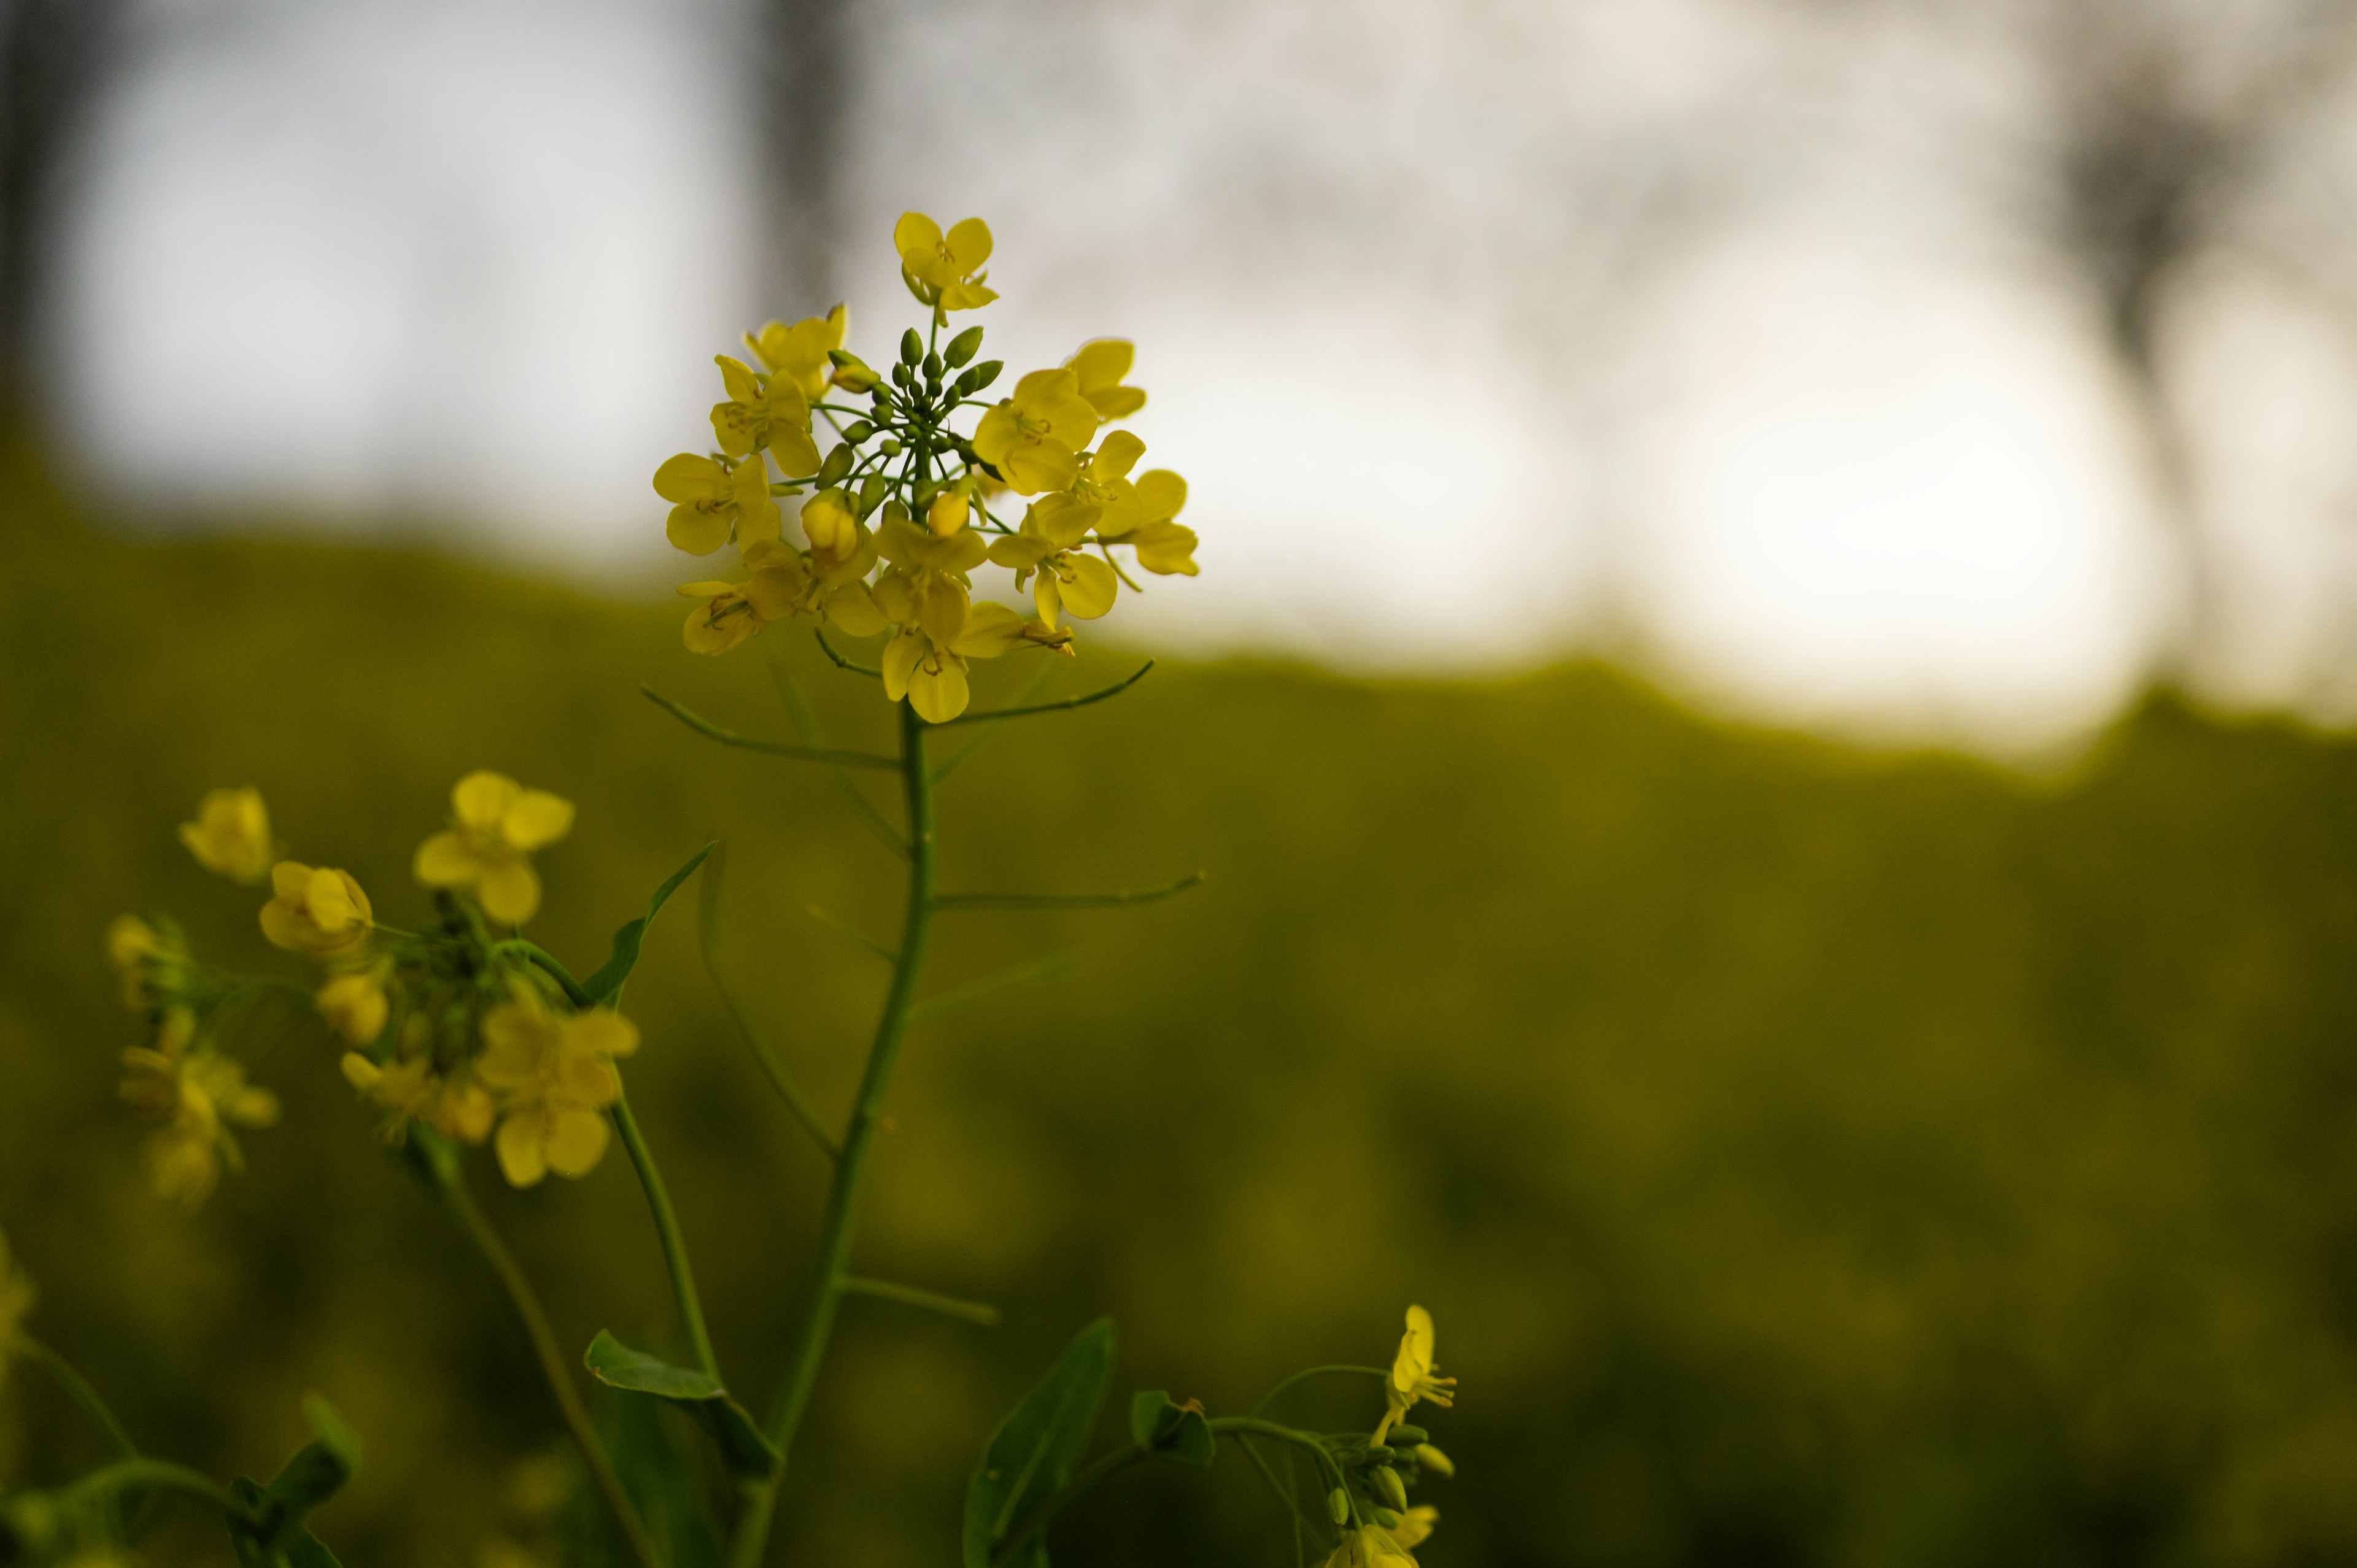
(1171, 1431)
(319, 1471)
(748, 1454)
(1033, 1454)
(606, 986)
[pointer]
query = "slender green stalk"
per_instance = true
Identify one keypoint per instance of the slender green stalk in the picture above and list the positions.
(704, 726)
(773, 1066)
(1054, 707)
(980, 1312)
(1254, 1425)
(1302, 1377)
(808, 731)
(675, 1244)
(833, 1268)
(959, 902)
(166, 1476)
(77, 1388)
(1037, 971)
(552, 1365)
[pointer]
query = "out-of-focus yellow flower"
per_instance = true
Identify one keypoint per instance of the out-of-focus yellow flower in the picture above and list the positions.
(799, 353)
(1139, 512)
(926, 587)
(152, 964)
(411, 1091)
(1370, 1547)
(496, 824)
(1048, 544)
(732, 612)
(230, 834)
(197, 1094)
(944, 270)
(317, 909)
(553, 1077)
(1035, 438)
(1101, 367)
(17, 1298)
(931, 673)
(1416, 1527)
(1412, 1376)
(714, 504)
(355, 1006)
(764, 413)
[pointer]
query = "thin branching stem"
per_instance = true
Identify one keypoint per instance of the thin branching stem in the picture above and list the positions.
(667, 1231)
(1305, 1375)
(952, 903)
(980, 1312)
(77, 1389)
(1038, 971)
(773, 1066)
(850, 933)
(1055, 708)
(163, 1474)
(704, 726)
(807, 731)
(840, 662)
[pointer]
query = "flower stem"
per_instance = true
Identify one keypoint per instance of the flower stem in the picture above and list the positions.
(77, 1386)
(163, 1474)
(544, 1347)
(827, 1283)
(674, 1245)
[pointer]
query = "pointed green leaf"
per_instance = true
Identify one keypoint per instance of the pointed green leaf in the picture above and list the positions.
(1032, 1453)
(606, 986)
(1171, 1431)
(748, 1452)
(317, 1472)
(665, 1481)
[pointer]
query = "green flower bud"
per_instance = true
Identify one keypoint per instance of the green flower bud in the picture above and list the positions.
(1432, 1459)
(872, 491)
(838, 463)
(859, 430)
(982, 375)
(1384, 1517)
(1403, 1435)
(962, 347)
(1338, 1506)
(912, 347)
(891, 448)
(1387, 1481)
(933, 367)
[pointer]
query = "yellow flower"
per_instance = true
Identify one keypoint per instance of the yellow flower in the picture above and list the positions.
(1432, 1459)
(1416, 1527)
(354, 1004)
(153, 964)
(411, 1091)
(931, 673)
(497, 824)
(1370, 1547)
(943, 270)
(1034, 438)
(799, 353)
(1139, 512)
(1412, 1373)
(17, 1298)
(553, 1077)
(197, 1094)
(732, 612)
(1047, 544)
(1101, 366)
(230, 834)
(316, 910)
(714, 504)
(764, 413)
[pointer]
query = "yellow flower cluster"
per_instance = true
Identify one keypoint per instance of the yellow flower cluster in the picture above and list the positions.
(1382, 1533)
(900, 512)
(195, 1095)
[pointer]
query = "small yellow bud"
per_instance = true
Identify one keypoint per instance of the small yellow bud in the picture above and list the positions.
(1432, 1459)
(230, 834)
(947, 514)
(319, 911)
(1388, 1480)
(354, 1006)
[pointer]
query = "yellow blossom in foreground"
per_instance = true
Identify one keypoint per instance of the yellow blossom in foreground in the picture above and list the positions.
(17, 1298)
(1048, 544)
(355, 1006)
(318, 910)
(1416, 1527)
(944, 270)
(1101, 367)
(230, 834)
(197, 1094)
(553, 1077)
(799, 353)
(497, 824)
(1034, 437)
(932, 673)
(411, 1091)
(764, 413)
(1412, 1372)
(714, 504)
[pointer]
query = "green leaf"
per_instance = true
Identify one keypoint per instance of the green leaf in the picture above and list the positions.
(1170, 1431)
(317, 1472)
(744, 1447)
(664, 1479)
(1032, 1453)
(606, 986)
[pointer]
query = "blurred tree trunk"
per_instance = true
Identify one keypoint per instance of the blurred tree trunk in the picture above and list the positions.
(807, 94)
(55, 59)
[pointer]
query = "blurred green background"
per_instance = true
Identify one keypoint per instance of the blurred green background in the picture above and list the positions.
(1811, 1155)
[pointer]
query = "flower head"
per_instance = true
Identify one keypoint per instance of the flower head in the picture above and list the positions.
(1034, 437)
(496, 825)
(230, 834)
(318, 910)
(197, 1094)
(1048, 544)
(1101, 367)
(799, 354)
(764, 413)
(410, 1091)
(714, 502)
(1412, 1376)
(944, 270)
(1369, 1546)
(729, 613)
(552, 1076)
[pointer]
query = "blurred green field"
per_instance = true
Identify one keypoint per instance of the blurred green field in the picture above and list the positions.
(1811, 1155)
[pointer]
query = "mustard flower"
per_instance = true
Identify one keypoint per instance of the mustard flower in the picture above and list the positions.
(799, 353)
(355, 1006)
(1412, 1376)
(318, 910)
(714, 504)
(411, 1091)
(153, 964)
(1140, 512)
(1101, 367)
(842, 552)
(230, 834)
(17, 1298)
(1034, 438)
(1370, 1547)
(553, 1077)
(1048, 544)
(1414, 1527)
(931, 673)
(764, 413)
(944, 270)
(197, 1094)
(496, 824)
(732, 612)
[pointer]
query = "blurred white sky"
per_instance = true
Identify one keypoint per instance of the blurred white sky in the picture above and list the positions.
(1475, 327)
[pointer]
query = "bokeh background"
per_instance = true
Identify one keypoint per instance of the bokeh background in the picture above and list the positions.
(1766, 712)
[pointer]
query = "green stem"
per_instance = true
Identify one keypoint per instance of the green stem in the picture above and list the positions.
(77, 1386)
(162, 1473)
(1302, 1377)
(674, 1245)
(980, 1312)
(1254, 1425)
(707, 938)
(827, 1283)
(544, 1347)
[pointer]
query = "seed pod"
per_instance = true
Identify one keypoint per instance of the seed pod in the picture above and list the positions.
(1338, 1506)
(912, 347)
(1388, 1481)
(962, 347)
